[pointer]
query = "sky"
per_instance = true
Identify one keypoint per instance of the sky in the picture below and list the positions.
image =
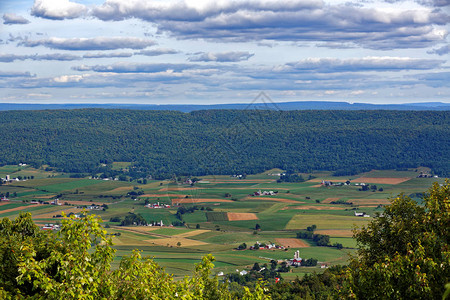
(209, 52)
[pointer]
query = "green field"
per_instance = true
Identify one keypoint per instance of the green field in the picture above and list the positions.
(207, 228)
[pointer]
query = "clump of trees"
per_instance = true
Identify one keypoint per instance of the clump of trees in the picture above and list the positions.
(319, 239)
(290, 177)
(133, 219)
(404, 253)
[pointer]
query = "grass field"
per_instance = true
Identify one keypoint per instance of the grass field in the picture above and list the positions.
(218, 224)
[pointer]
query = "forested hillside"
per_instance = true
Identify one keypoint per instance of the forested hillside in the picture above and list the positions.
(161, 143)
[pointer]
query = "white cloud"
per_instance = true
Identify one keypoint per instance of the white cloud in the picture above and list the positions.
(9, 19)
(58, 9)
(331, 24)
(4, 57)
(107, 55)
(358, 92)
(68, 78)
(222, 57)
(157, 52)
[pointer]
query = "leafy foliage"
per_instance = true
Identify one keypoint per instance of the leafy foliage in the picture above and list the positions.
(405, 253)
(75, 263)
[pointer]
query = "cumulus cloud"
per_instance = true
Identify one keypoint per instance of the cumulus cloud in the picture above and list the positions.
(285, 21)
(157, 52)
(222, 57)
(97, 43)
(330, 65)
(9, 19)
(58, 9)
(441, 51)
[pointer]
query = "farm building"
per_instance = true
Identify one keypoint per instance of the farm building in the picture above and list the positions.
(297, 260)
(55, 202)
(362, 214)
(157, 205)
(50, 227)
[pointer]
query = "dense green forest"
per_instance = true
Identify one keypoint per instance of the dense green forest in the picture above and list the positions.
(163, 143)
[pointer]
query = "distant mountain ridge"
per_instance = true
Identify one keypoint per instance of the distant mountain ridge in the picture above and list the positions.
(297, 105)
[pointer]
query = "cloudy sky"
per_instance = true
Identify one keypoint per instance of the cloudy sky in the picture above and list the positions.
(183, 51)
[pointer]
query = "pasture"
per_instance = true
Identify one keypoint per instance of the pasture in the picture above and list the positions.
(219, 213)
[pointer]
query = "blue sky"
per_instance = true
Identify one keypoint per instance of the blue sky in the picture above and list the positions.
(205, 52)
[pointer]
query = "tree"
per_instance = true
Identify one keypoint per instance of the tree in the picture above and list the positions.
(242, 246)
(257, 227)
(404, 253)
(311, 228)
(75, 263)
(256, 267)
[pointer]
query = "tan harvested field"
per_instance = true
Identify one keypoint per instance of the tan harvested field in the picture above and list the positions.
(142, 229)
(273, 199)
(381, 180)
(198, 200)
(292, 243)
(329, 200)
(173, 241)
(316, 185)
(57, 212)
(191, 233)
(335, 232)
(314, 207)
(241, 216)
(369, 201)
(4, 203)
(162, 195)
(18, 208)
